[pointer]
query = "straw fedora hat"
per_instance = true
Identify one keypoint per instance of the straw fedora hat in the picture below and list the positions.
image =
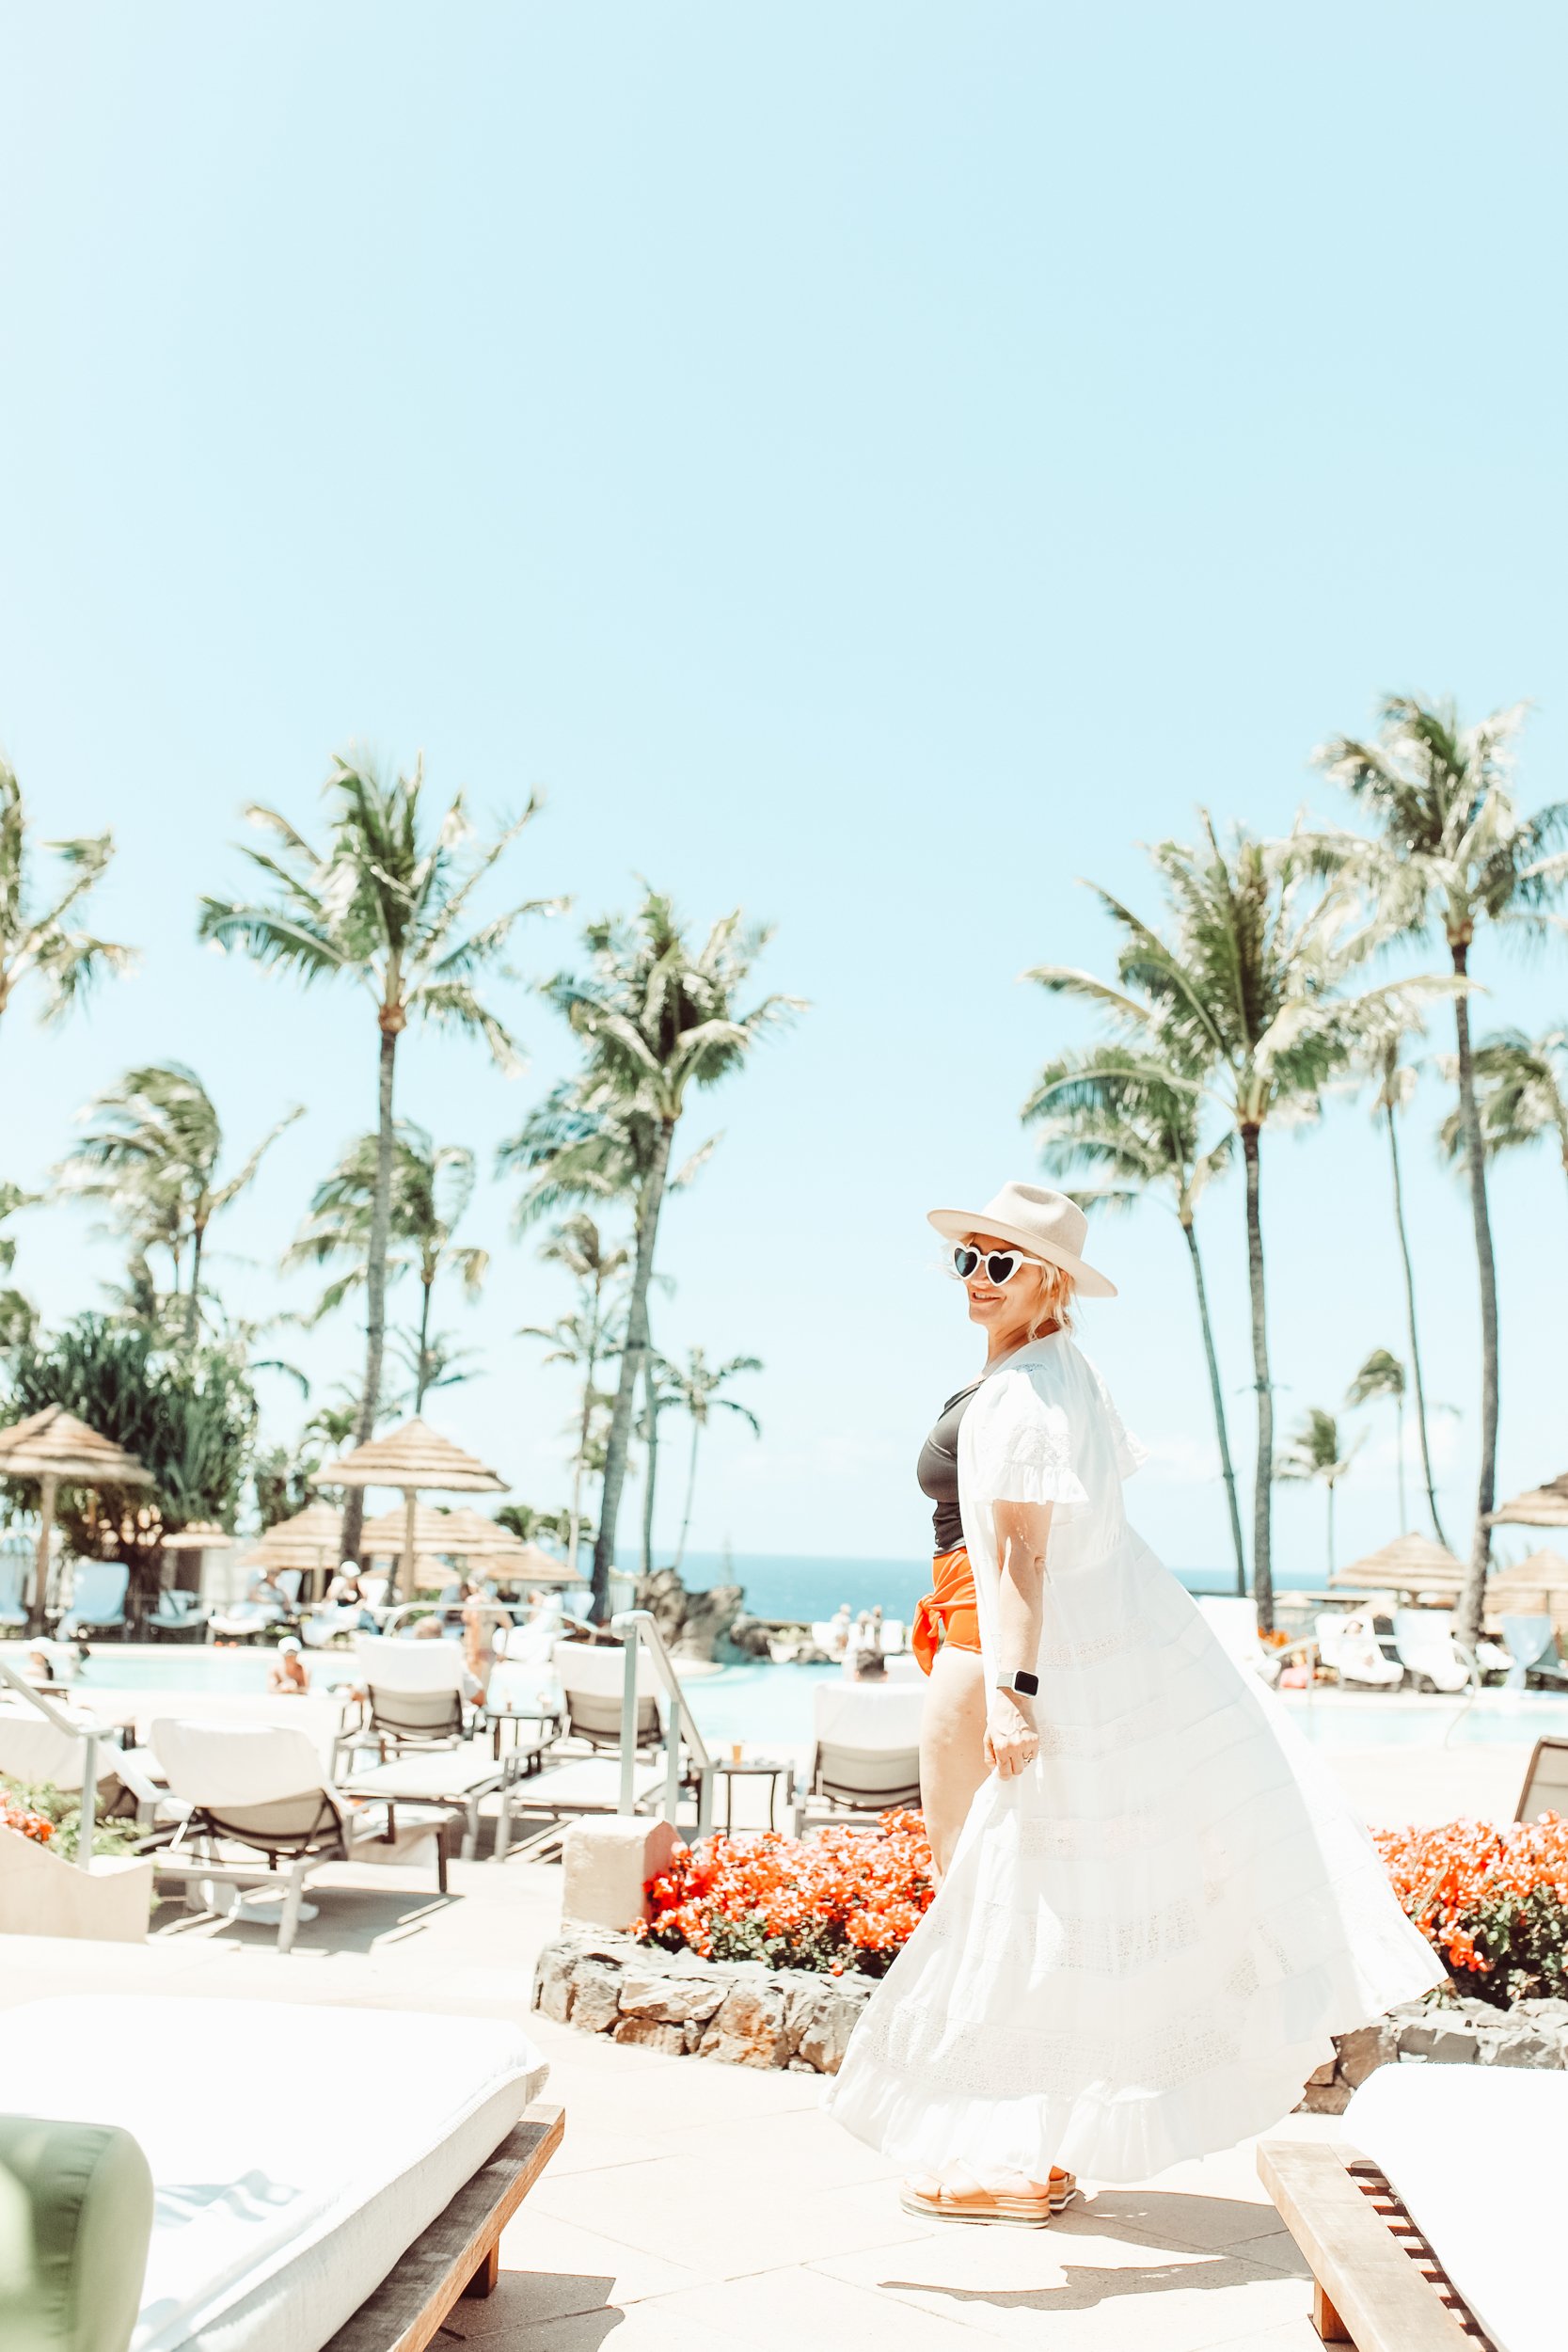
(1046, 1224)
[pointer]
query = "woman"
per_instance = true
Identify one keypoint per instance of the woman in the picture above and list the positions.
(1159, 1907)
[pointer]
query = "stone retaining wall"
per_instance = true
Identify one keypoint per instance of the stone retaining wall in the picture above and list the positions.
(750, 2015)
(737, 2011)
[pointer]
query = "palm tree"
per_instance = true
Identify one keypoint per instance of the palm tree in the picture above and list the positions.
(1383, 1374)
(1380, 1054)
(657, 1019)
(1451, 848)
(1314, 1454)
(40, 943)
(1522, 1092)
(1113, 1107)
(697, 1388)
(17, 1315)
(432, 1186)
(433, 1359)
(152, 1153)
(385, 905)
(583, 1339)
(1247, 992)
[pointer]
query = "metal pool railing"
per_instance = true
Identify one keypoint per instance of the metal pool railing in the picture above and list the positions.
(51, 1714)
(639, 1631)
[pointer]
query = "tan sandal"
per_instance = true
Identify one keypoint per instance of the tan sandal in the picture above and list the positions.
(1016, 2204)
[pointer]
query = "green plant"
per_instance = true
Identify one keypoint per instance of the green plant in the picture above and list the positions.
(54, 1819)
(191, 1418)
(40, 945)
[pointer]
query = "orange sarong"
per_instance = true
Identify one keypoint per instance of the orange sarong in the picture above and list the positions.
(946, 1616)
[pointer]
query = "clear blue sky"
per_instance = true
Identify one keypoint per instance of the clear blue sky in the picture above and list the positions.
(873, 465)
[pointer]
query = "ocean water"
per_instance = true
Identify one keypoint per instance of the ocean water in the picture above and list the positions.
(786, 1585)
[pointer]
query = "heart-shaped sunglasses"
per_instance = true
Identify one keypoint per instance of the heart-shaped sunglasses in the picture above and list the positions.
(1000, 1264)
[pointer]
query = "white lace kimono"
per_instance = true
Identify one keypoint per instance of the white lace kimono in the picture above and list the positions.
(1146, 1938)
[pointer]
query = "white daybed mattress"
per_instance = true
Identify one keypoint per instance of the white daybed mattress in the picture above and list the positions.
(1476, 2154)
(297, 2151)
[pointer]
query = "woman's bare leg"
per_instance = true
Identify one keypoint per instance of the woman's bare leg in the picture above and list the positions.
(952, 1747)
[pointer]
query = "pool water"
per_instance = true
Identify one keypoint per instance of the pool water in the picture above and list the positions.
(762, 1704)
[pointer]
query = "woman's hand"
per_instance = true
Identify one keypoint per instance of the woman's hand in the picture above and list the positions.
(1012, 1741)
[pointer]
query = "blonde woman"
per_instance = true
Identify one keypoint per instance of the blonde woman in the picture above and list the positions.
(1159, 1907)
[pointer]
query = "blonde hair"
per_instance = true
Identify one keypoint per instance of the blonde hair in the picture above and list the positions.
(1058, 1292)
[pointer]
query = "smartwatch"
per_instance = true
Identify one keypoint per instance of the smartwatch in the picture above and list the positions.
(1020, 1680)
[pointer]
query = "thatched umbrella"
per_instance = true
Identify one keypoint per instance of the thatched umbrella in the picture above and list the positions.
(417, 1460)
(1538, 1584)
(1411, 1564)
(58, 1451)
(311, 1540)
(1541, 1506)
(201, 1536)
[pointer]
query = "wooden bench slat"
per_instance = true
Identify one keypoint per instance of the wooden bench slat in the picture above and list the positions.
(407, 2307)
(1361, 2269)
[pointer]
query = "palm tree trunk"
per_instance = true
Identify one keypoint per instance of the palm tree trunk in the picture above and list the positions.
(690, 1489)
(1262, 1554)
(193, 1304)
(1399, 1458)
(1217, 1397)
(421, 1377)
(1410, 1328)
(650, 1201)
(1331, 1531)
(650, 1407)
(375, 1285)
(1472, 1599)
(585, 1431)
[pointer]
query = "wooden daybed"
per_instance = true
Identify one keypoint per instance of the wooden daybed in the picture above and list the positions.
(1376, 2282)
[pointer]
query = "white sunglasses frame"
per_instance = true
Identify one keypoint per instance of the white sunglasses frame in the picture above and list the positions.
(983, 1258)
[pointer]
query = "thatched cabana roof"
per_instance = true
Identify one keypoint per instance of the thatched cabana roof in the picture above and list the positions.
(463, 1535)
(1542, 1572)
(1411, 1564)
(313, 1538)
(201, 1535)
(415, 1458)
(54, 1444)
(1541, 1506)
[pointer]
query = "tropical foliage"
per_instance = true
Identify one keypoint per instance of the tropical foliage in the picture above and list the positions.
(1315, 1453)
(386, 904)
(151, 1156)
(189, 1416)
(843, 1900)
(41, 945)
(1453, 852)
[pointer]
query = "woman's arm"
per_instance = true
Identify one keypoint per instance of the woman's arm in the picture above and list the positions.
(1022, 1533)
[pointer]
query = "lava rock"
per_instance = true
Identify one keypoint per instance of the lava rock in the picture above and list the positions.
(1364, 2051)
(652, 2035)
(747, 2029)
(596, 1995)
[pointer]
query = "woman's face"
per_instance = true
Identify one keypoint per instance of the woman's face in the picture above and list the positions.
(1009, 1312)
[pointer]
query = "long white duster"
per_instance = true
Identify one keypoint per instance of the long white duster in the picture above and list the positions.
(1146, 1938)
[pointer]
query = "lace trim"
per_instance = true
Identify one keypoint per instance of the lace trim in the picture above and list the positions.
(1002, 2062)
(1044, 1837)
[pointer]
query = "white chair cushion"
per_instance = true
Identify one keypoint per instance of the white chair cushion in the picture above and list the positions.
(297, 2151)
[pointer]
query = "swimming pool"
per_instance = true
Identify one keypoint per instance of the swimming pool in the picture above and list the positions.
(762, 1704)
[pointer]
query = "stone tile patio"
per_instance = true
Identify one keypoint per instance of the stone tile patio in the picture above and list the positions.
(695, 2206)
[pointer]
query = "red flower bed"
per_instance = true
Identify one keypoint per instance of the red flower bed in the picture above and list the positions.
(845, 1900)
(1493, 1902)
(18, 1815)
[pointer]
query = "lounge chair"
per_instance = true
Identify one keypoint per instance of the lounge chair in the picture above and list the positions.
(97, 1602)
(524, 1687)
(866, 1755)
(414, 1694)
(1428, 1652)
(12, 1575)
(1349, 1648)
(1233, 1622)
(592, 1676)
(327, 2179)
(1436, 2219)
(178, 1614)
(35, 1751)
(262, 1785)
(1546, 1787)
(1532, 1647)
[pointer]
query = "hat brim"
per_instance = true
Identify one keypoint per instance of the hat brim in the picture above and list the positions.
(954, 1224)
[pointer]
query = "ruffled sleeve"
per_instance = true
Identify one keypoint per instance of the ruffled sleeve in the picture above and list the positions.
(1024, 1446)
